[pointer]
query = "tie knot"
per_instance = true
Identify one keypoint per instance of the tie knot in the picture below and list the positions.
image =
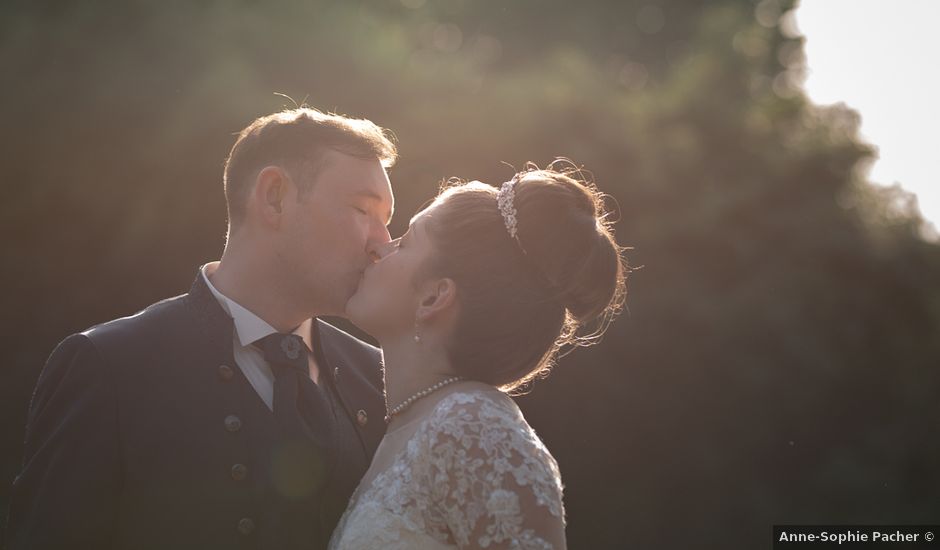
(284, 350)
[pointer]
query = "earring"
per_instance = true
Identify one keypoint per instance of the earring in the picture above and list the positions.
(417, 336)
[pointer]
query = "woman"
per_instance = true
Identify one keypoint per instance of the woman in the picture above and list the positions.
(473, 301)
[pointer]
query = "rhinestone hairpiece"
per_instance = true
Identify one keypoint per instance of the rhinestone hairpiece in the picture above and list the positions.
(504, 198)
(506, 208)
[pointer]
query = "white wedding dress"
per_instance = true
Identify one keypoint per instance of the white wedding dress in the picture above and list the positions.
(470, 473)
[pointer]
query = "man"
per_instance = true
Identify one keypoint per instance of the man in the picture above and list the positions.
(230, 416)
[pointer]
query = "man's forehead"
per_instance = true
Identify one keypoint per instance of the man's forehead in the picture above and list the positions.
(350, 170)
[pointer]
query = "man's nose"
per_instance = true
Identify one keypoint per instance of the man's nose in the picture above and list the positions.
(384, 235)
(380, 251)
(380, 245)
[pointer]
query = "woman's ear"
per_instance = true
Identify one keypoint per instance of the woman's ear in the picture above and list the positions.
(436, 297)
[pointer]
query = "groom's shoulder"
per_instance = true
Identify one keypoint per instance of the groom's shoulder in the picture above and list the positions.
(159, 318)
(118, 341)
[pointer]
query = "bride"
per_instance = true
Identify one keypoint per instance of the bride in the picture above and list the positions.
(474, 301)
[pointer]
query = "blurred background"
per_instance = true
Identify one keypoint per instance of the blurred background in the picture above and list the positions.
(778, 359)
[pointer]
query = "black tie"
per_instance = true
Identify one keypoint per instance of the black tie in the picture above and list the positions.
(301, 409)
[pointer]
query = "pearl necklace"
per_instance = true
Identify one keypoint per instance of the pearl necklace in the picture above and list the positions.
(426, 391)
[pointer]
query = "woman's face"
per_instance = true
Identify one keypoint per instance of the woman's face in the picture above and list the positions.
(386, 301)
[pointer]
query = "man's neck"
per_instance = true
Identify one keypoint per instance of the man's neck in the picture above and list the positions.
(246, 283)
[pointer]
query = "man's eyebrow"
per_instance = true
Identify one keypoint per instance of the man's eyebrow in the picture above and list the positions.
(378, 198)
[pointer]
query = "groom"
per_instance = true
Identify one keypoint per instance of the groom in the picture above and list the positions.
(230, 416)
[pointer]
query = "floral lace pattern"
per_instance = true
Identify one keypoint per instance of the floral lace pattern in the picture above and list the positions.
(474, 474)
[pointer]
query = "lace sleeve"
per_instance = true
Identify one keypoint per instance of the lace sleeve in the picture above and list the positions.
(493, 483)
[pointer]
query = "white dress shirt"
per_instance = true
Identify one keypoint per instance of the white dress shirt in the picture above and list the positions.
(250, 328)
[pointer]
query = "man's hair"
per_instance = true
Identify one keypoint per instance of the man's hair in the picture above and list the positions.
(296, 140)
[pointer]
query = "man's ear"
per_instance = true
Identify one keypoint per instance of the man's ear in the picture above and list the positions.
(437, 297)
(272, 186)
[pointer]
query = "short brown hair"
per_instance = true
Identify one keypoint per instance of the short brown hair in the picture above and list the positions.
(521, 303)
(296, 140)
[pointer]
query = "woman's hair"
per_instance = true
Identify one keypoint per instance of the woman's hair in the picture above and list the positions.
(521, 302)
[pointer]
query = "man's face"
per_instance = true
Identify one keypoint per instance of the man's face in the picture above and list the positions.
(336, 228)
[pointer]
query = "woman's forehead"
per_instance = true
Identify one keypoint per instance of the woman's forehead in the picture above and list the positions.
(418, 226)
(423, 214)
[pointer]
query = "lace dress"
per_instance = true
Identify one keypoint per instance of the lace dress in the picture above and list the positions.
(471, 473)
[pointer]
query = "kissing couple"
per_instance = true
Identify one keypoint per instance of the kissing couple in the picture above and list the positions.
(233, 417)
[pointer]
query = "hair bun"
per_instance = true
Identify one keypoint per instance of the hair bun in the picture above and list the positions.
(562, 223)
(516, 310)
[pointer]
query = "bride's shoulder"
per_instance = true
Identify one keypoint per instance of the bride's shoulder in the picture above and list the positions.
(472, 401)
(476, 438)
(483, 416)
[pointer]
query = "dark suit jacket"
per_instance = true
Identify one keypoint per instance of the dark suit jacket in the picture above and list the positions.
(137, 427)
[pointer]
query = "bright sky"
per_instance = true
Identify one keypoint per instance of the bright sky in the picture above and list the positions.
(882, 58)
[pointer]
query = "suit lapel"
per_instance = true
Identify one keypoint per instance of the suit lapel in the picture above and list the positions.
(361, 399)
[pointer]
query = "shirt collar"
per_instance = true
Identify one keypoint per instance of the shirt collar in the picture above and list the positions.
(249, 328)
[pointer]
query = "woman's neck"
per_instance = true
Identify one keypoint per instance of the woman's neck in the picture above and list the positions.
(410, 368)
